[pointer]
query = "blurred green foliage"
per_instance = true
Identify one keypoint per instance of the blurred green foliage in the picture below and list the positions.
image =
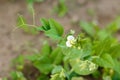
(61, 9)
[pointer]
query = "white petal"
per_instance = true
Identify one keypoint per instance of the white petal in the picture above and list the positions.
(69, 38)
(68, 44)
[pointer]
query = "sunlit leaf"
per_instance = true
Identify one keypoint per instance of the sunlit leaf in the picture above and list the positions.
(88, 28)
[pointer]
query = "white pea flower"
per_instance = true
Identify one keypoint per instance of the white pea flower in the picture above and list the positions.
(70, 41)
(68, 44)
(70, 38)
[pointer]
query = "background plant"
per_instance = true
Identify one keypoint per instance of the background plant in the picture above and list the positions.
(61, 8)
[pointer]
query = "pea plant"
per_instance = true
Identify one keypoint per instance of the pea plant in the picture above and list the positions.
(61, 8)
(93, 52)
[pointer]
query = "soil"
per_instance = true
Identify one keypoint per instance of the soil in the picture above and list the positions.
(14, 41)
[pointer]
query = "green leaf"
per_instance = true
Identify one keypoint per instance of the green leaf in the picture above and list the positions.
(78, 78)
(114, 26)
(71, 54)
(56, 77)
(51, 28)
(33, 57)
(117, 66)
(102, 34)
(61, 9)
(116, 76)
(45, 25)
(57, 69)
(86, 45)
(102, 46)
(88, 28)
(16, 75)
(105, 61)
(57, 56)
(43, 77)
(115, 51)
(43, 64)
(46, 49)
(58, 27)
(76, 54)
(42, 61)
(19, 62)
(52, 33)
